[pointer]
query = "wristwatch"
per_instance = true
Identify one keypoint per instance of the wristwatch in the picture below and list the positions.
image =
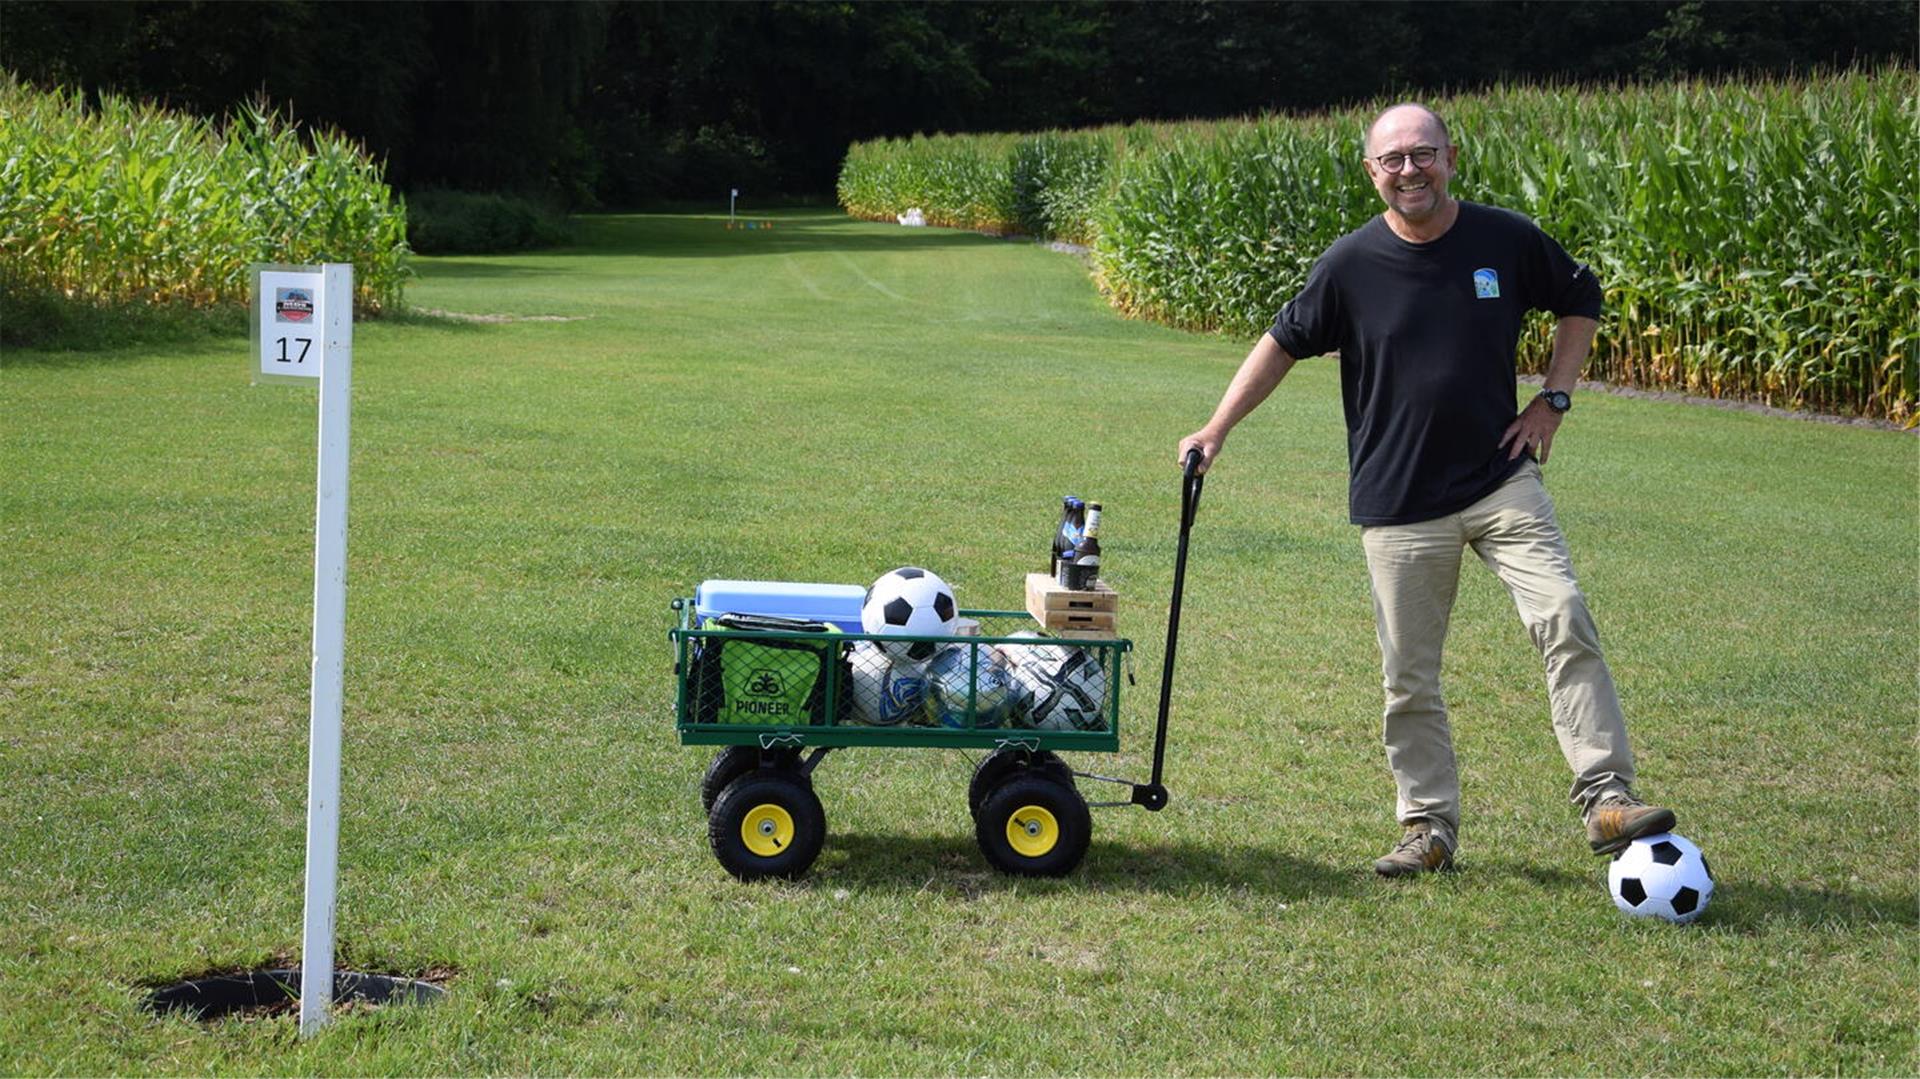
(1558, 400)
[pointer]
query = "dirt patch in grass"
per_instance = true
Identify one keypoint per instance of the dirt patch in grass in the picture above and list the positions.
(462, 316)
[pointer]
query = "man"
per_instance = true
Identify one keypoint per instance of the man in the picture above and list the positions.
(1425, 305)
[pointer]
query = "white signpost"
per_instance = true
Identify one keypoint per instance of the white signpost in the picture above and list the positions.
(303, 332)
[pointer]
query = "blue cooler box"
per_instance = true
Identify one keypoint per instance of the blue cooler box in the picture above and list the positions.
(835, 603)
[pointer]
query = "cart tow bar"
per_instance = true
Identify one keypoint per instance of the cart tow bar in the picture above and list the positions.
(1153, 793)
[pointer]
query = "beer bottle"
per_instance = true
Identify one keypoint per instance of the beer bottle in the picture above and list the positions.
(1086, 553)
(1072, 516)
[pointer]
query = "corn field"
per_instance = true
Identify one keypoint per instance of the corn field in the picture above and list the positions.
(1757, 241)
(960, 181)
(126, 203)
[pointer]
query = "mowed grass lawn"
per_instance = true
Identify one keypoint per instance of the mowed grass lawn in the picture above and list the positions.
(823, 401)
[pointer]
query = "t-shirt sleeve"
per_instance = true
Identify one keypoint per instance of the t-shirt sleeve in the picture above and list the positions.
(1310, 323)
(1561, 285)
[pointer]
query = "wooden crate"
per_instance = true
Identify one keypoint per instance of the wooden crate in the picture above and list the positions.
(1064, 611)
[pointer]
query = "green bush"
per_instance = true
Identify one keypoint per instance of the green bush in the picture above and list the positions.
(132, 206)
(1756, 240)
(469, 223)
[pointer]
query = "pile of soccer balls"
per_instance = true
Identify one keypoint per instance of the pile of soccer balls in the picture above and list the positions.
(1041, 686)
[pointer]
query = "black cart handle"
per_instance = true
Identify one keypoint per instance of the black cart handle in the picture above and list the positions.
(1191, 479)
(1153, 794)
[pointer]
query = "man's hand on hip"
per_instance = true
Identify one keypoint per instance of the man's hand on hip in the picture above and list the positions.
(1533, 427)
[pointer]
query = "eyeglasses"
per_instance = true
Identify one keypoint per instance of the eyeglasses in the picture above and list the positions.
(1422, 157)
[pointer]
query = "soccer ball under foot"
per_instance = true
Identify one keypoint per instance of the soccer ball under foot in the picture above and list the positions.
(1661, 876)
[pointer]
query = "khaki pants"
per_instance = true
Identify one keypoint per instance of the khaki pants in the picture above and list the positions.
(1416, 573)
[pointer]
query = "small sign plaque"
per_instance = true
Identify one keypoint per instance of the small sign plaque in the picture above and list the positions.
(289, 319)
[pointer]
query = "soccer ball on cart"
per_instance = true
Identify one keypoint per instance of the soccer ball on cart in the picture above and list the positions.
(912, 602)
(952, 676)
(1057, 687)
(1661, 876)
(887, 692)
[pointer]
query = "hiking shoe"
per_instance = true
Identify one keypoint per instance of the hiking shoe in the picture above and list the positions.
(1420, 850)
(1619, 818)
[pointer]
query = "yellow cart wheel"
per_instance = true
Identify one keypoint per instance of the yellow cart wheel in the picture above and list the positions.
(767, 824)
(1034, 824)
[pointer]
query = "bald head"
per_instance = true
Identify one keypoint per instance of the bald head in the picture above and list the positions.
(1410, 157)
(1409, 118)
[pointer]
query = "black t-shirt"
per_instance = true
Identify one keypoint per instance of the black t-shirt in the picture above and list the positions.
(1426, 335)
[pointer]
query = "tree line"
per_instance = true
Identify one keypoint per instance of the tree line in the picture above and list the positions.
(620, 103)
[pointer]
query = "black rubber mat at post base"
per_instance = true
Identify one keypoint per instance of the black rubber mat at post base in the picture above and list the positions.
(270, 991)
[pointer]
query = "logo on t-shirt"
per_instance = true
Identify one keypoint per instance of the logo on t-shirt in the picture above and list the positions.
(1486, 285)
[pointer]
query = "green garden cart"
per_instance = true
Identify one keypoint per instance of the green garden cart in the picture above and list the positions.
(778, 699)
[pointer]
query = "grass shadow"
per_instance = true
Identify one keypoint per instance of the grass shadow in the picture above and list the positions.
(792, 233)
(880, 862)
(38, 329)
(695, 237)
(130, 339)
(489, 267)
(1753, 906)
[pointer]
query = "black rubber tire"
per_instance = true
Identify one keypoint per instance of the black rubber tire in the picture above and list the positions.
(995, 768)
(735, 761)
(1016, 799)
(755, 794)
